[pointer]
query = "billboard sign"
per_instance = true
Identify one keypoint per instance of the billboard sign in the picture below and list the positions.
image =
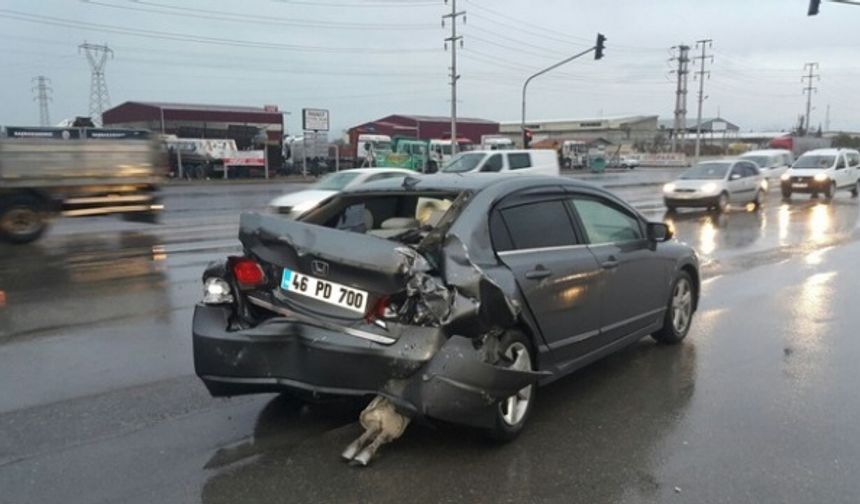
(315, 119)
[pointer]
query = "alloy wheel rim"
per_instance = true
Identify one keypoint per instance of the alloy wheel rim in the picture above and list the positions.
(682, 305)
(513, 409)
(19, 221)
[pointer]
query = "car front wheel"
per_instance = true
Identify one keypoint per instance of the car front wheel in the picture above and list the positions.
(855, 190)
(831, 191)
(723, 203)
(679, 312)
(512, 412)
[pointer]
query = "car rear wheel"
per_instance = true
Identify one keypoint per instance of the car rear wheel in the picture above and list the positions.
(22, 219)
(679, 312)
(513, 412)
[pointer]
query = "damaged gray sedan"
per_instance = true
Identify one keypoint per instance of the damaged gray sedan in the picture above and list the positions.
(448, 297)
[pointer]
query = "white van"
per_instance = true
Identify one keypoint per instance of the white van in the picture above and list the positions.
(823, 171)
(511, 162)
(772, 162)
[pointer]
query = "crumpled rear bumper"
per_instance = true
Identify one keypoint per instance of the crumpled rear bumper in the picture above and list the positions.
(424, 372)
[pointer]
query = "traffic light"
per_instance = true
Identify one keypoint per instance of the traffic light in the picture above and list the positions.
(814, 5)
(527, 138)
(601, 44)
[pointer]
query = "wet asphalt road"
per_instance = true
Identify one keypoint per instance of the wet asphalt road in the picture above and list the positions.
(98, 402)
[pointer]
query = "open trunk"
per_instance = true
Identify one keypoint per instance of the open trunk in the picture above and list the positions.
(358, 262)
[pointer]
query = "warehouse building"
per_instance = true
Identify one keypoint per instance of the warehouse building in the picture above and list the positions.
(425, 127)
(615, 130)
(186, 120)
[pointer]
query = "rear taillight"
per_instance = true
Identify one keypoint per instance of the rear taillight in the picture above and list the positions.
(247, 272)
(378, 310)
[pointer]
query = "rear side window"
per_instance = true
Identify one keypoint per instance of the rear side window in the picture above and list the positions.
(519, 160)
(534, 225)
(840, 163)
(606, 223)
(853, 159)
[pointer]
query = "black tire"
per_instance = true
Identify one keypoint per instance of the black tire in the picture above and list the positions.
(723, 202)
(22, 219)
(830, 192)
(512, 343)
(759, 199)
(786, 194)
(672, 332)
(855, 190)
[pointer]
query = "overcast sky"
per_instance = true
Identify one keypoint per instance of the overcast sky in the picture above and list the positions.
(364, 59)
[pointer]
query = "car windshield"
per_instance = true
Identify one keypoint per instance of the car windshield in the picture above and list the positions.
(762, 161)
(817, 162)
(706, 171)
(382, 146)
(336, 181)
(463, 163)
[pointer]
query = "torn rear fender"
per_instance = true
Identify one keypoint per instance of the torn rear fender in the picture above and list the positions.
(461, 385)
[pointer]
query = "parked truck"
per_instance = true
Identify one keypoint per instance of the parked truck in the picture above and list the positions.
(76, 172)
(410, 154)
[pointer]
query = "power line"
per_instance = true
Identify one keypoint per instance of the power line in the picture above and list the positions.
(199, 39)
(809, 89)
(43, 92)
(191, 12)
(705, 44)
(454, 40)
(97, 56)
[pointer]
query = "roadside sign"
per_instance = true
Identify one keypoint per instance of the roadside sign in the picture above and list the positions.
(315, 119)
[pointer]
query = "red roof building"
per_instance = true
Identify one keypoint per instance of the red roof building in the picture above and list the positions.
(425, 127)
(187, 120)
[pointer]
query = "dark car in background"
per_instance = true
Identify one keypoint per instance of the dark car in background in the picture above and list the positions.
(451, 296)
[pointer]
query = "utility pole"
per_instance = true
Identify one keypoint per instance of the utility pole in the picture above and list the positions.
(809, 89)
(705, 44)
(827, 119)
(97, 56)
(683, 70)
(454, 39)
(43, 91)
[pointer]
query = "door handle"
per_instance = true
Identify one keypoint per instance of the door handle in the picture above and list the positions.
(610, 263)
(538, 274)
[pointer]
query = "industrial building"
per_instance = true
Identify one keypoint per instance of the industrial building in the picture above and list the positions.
(425, 127)
(715, 125)
(615, 130)
(186, 120)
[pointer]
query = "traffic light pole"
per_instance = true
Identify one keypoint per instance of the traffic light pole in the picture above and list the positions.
(598, 48)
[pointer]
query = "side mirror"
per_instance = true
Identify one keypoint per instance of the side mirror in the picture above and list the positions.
(659, 232)
(735, 176)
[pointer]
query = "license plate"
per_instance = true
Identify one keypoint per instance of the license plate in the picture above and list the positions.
(799, 186)
(325, 291)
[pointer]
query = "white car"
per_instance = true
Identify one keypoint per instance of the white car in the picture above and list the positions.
(717, 184)
(823, 171)
(772, 162)
(297, 203)
(509, 162)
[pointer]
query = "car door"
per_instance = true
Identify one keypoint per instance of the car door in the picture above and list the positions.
(634, 279)
(753, 177)
(842, 175)
(534, 236)
(739, 190)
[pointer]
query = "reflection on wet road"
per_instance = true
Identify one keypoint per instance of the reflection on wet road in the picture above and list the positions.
(98, 402)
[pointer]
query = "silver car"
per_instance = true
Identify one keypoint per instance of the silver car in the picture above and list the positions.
(717, 184)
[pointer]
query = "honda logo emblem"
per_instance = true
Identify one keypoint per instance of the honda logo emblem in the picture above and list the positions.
(320, 268)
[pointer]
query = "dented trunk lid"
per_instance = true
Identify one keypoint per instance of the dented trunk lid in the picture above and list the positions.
(354, 260)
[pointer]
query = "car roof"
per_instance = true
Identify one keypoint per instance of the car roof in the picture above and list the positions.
(766, 152)
(376, 170)
(475, 182)
(826, 152)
